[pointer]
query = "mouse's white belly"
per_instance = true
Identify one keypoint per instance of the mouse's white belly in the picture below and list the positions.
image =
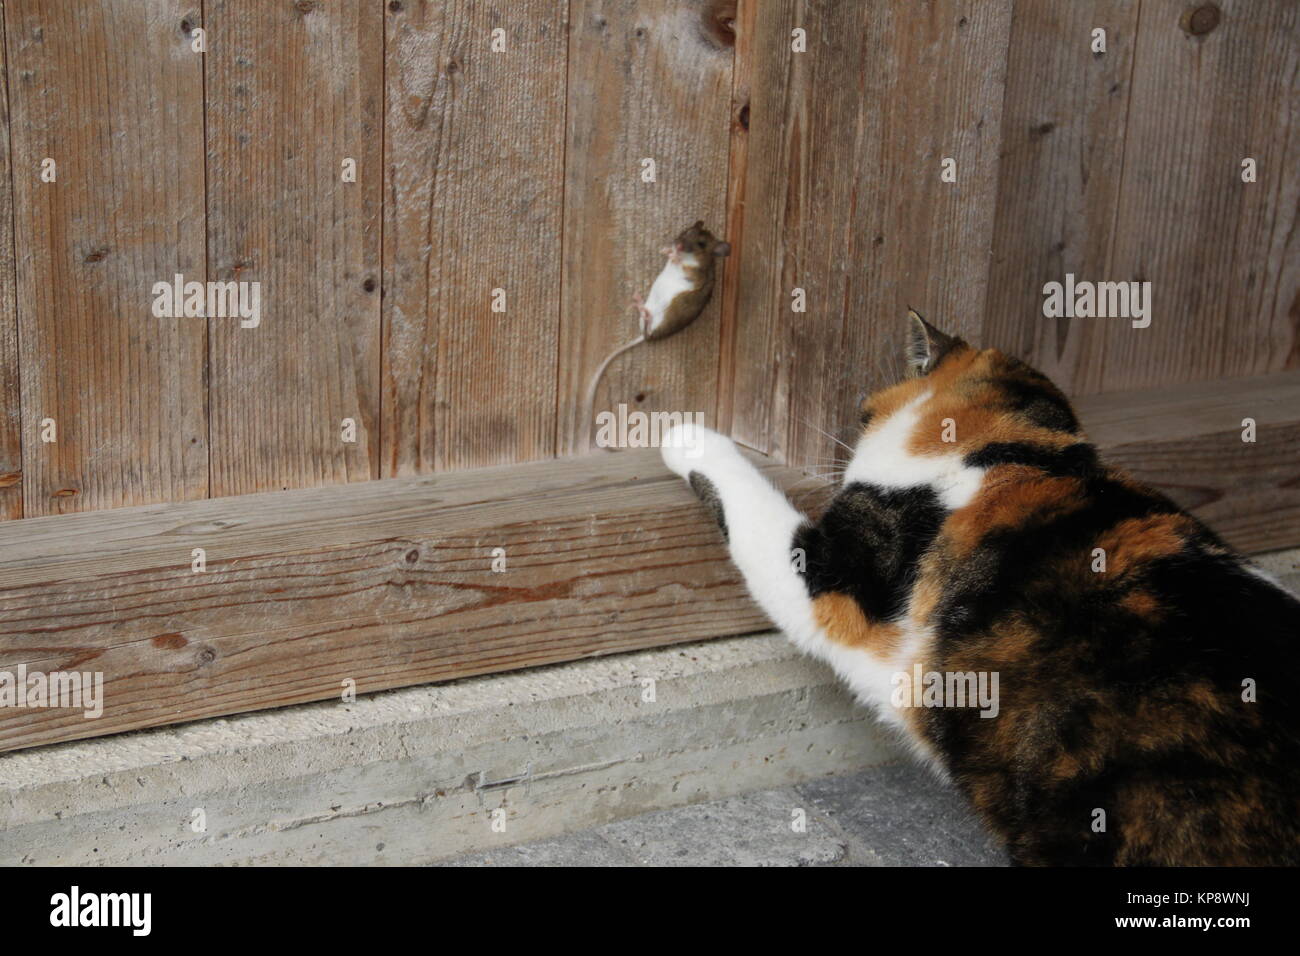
(667, 286)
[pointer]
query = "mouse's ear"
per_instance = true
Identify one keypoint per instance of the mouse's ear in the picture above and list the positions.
(699, 224)
(722, 249)
(926, 345)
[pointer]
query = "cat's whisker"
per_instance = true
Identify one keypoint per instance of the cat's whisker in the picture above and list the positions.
(828, 479)
(830, 476)
(823, 431)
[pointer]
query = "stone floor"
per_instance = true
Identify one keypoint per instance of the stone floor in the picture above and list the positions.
(896, 815)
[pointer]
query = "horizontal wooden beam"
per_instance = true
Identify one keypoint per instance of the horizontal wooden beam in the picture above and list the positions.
(1187, 441)
(384, 583)
(390, 583)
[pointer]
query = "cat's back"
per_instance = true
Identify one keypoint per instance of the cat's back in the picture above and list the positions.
(1147, 676)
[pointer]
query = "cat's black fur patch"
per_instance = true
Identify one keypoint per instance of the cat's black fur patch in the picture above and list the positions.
(1078, 460)
(1037, 401)
(867, 545)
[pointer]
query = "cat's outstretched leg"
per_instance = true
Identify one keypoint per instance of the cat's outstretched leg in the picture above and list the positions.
(785, 559)
(759, 523)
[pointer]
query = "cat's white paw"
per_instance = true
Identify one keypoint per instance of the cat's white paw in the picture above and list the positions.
(690, 447)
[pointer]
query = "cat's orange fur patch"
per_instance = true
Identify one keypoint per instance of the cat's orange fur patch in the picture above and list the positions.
(1140, 603)
(972, 426)
(1009, 496)
(843, 621)
(1136, 541)
(927, 591)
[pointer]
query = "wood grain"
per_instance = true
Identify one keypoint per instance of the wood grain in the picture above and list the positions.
(474, 169)
(292, 90)
(1223, 256)
(646, 80)
(387, 583)
(844, 201)
(114, 94)
(11, 443)
(1063, 123)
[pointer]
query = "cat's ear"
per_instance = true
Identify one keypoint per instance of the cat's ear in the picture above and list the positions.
(926, 345)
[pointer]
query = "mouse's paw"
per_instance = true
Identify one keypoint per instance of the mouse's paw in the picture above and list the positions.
(690, 447)
(643, 316)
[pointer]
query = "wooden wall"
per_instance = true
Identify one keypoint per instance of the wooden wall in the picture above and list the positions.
(521, 171)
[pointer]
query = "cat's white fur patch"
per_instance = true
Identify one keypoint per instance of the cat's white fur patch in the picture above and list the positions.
(871, 679)
(883, 459)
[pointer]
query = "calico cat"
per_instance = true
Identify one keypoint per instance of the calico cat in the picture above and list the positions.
(1147, 706)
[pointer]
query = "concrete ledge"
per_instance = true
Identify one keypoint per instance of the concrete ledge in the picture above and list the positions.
(413, 775)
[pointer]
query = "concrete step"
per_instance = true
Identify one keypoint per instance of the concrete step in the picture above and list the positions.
(421, 774)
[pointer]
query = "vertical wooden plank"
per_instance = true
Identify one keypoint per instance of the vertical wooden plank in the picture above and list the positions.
(1223, 256)
(11, 446)
(743, 20)
(647, 80)
(113, 93)
(1063, 122)
(474, 170)
(293, 90)
(769, 172)
(845, 201)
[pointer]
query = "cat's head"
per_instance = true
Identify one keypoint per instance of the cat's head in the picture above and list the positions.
(959, 406)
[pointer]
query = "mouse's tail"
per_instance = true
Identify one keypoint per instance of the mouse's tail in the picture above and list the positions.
(589, 404)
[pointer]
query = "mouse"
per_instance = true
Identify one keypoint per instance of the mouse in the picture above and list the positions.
(677, 297)
(684, 287)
